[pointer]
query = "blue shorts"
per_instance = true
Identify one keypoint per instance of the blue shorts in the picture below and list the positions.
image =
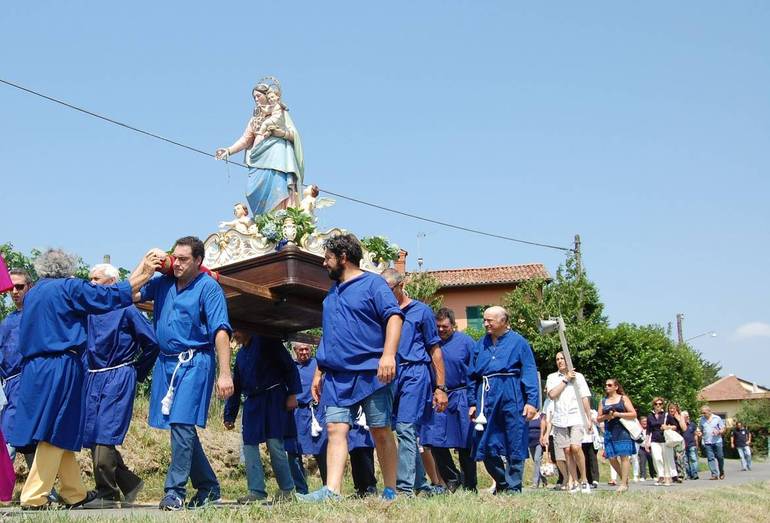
(378, 409)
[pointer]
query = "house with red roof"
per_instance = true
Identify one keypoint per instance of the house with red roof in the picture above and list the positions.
(725, 395)
(468, 290)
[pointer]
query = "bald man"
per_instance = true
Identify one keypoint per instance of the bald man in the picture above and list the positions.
(121, 350)
(503, 397)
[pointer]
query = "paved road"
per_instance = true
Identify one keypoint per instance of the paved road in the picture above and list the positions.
(733, 476)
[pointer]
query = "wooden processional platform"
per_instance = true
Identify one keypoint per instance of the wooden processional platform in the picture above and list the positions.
(278, 294)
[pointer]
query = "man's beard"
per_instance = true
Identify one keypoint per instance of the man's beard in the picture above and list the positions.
(336, 273)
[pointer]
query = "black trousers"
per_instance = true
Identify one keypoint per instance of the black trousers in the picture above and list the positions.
(466, 476)
(111, 475)
(362, 470)
(592, 462)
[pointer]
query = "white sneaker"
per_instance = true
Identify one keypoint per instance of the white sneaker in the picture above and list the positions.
(574, 489)
(636, 480)
(586, 488)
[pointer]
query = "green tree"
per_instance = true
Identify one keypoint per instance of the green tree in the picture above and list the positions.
(18, 260)
(755, 415)
(642, 358)
(424, 286)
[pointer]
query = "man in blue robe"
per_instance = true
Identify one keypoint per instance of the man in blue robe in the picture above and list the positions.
(266, 376)
(503, 397)
(121, 350)
(360, 443)
(10, 366)
(52, 338)
(311, 437)
(415, 394)
(451, 429)
(191, 321)
(357, 358)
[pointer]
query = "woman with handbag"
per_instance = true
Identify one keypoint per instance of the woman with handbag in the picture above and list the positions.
(662, 454)
(618, 444)
(677, 424)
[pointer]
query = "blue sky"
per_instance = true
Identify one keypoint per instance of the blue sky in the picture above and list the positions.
(644, 128)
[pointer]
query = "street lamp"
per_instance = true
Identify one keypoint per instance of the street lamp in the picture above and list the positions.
(712, 334)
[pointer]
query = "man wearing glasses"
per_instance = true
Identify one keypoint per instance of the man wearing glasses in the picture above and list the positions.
(10, 366)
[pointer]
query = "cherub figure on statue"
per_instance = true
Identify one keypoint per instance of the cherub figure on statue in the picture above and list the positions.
(273, 152)
(310, 201)
(242, 223)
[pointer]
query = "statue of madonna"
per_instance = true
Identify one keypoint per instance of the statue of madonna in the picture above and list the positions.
(273, 152)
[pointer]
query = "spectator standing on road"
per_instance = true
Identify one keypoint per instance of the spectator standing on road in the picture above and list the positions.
(618, 444)
(645, 453)
(712, 427)
(690, 447)
(740, 440)
(676, 422)
(662, 455)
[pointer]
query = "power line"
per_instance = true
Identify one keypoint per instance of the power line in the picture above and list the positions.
(338, 195)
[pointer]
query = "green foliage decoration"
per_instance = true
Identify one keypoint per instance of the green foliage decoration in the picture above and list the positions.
(270, 225)
(381, 248)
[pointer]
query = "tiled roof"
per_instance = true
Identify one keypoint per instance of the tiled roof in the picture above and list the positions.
(499, 275)
(732, 388)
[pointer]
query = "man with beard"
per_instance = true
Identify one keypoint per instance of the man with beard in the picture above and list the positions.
(357, 359)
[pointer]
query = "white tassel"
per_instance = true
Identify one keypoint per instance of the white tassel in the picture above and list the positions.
(167, 401)
(481, 419)
(361, 419)
(315, 427)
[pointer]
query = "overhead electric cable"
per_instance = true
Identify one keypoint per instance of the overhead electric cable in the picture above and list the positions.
(338, 195)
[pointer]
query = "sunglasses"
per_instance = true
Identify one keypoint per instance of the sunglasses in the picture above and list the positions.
(658, 403)
(20, 286)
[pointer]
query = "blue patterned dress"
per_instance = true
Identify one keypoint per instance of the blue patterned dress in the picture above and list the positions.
(617, 440)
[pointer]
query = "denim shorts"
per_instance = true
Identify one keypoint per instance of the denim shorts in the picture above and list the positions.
(378, 408)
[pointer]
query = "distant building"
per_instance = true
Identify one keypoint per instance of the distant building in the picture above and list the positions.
(725, 395)
(468, 290)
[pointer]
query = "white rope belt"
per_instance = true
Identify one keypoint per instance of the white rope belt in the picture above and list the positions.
(481, 419)
(168, 399)
(112, 368)
(9, 378)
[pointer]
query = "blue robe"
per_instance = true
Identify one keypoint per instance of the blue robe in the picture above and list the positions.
(355, 314)
(186, 319)
(506, 433)
(52, 338)
(305, 442)
(451, 429)
(123, 339)
(264, 375)
(10, 366)
(413, 394)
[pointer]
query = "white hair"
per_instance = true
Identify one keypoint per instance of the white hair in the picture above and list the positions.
(105, 268)
(55, 263)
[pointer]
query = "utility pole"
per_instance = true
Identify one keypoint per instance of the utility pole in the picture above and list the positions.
(579, 263)
(679, 333)
(578, 256)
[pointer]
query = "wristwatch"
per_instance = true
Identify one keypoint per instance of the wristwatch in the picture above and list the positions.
(442, 388)
(566, 382)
